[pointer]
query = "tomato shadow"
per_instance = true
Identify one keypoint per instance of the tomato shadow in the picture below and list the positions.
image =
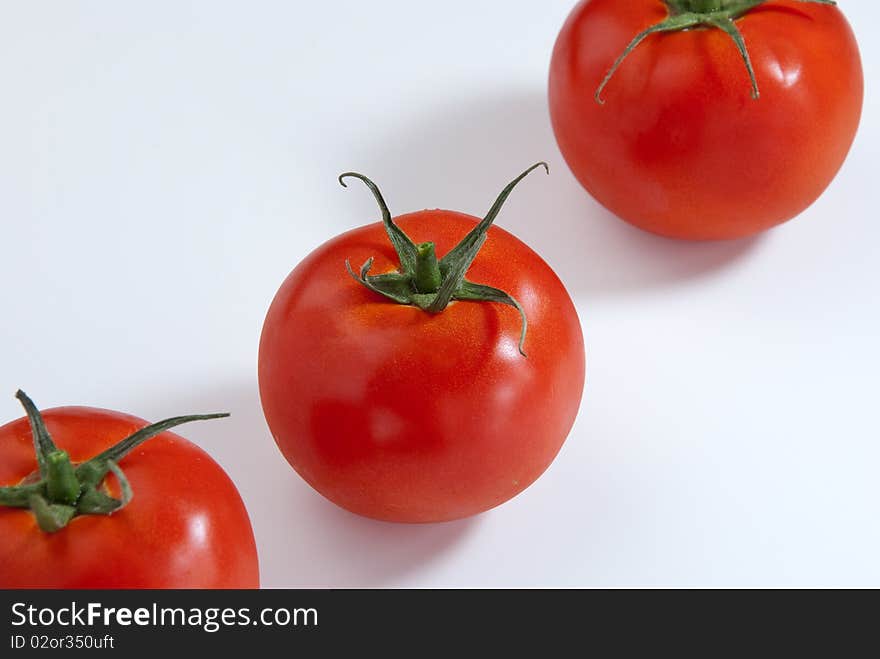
(461, 154)
(304, 541)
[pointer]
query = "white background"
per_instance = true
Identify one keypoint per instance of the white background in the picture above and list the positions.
(163, 166)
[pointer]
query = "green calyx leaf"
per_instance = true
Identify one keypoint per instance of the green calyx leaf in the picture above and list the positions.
(62, 491)
(687, 14)
(422, 280)
(51, 517)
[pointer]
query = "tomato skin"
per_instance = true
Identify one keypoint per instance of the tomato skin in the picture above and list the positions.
(186, 526)
(401, 415)
(680, 148)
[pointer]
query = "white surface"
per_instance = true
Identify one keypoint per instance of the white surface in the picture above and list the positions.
(164, 165)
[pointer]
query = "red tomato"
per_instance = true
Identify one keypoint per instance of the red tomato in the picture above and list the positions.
(680, 147)
(186, 526)
(403, 415)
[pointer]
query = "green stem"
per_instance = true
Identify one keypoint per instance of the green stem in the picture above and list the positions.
(43, 444)
(61, 483)
(51, 517)
(708, 6)
(127, 445)
(424, 282)
(734, 7)
(405, 248)
(479, 231)
(17, 496)
(426, 277)
(64, 491)
(686, 14)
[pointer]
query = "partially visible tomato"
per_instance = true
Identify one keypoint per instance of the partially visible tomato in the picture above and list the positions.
(403, 414)
(185, 527)
(680, 147)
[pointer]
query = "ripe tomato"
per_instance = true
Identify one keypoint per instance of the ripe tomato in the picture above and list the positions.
(405, 415)
(186, 526)
(680, 147)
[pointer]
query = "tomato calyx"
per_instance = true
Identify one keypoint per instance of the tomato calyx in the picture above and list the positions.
(426, 282)
(687, 14)
(59, 490)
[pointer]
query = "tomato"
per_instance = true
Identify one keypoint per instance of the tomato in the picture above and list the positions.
(185, 527)
(402, 414)
(679, 146)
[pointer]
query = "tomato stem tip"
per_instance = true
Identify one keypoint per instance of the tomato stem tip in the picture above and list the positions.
(423, 281)
(62, 491)
(686, 14)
